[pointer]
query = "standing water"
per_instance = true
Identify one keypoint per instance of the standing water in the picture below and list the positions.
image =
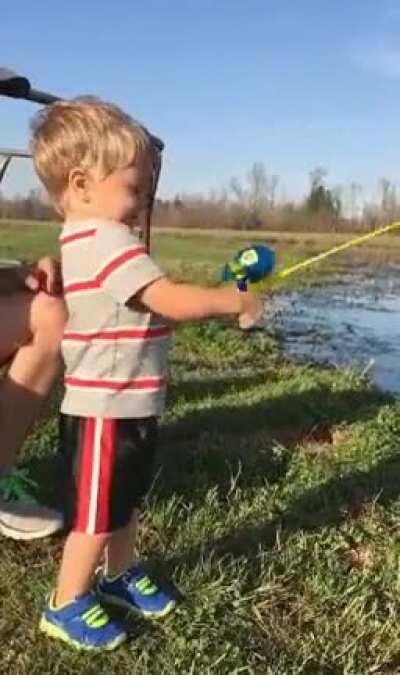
(354, 320)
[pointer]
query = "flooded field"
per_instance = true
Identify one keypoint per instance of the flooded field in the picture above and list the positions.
(352, 319)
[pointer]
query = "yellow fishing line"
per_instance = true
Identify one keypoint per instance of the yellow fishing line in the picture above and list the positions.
(288, 271)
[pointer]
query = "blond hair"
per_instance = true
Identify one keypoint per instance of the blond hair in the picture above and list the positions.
(86, 133)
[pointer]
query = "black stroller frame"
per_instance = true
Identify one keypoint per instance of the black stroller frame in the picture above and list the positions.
(18, 86)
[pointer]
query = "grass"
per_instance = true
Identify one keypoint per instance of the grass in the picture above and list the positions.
(275, 512)
(199, 254)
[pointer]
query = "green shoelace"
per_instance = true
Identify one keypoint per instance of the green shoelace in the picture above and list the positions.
(145, 586)
(95, 617)
(16, 486)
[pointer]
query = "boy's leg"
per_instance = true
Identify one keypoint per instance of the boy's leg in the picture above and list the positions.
(82, 555)
(73, 613)
(120, 551)
(125, 583)
(88, 448)
(108, 470)
(31, 328)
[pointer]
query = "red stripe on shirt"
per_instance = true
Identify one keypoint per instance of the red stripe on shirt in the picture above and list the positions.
(107, 457)
(81, 286)
(111, 267)
(122, 333)
(84, 477)
(136, 384)
(84, 234)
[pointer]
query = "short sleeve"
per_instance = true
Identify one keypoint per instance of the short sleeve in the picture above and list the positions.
(123, 267)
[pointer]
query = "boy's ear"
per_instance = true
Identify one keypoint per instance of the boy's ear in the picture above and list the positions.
(79, 183)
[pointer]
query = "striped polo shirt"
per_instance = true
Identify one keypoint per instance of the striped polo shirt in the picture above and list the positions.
(115, 351)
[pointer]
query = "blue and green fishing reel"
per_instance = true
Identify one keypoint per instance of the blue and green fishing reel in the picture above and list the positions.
(250, 265)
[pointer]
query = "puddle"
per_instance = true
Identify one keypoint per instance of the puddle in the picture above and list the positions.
(352, 320)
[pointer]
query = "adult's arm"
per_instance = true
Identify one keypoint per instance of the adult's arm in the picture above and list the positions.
(44, 275)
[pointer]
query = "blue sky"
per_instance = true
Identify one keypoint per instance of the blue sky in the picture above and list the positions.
(292, 83)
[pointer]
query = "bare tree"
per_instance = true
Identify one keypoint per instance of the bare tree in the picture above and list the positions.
(388, 198)
(355, 192)
(256, 198)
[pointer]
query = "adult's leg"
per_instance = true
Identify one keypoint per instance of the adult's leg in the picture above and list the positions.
(31, 328)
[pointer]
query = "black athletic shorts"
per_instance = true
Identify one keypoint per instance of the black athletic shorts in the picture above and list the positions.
(108, 468)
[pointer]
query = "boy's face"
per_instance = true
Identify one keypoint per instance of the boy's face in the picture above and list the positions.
(122, 196)
(125, 193)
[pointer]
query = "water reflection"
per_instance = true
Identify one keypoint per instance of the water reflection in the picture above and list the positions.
(355, 319)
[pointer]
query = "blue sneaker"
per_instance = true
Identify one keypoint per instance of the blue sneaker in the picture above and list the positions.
(83, 624)
(134, 590)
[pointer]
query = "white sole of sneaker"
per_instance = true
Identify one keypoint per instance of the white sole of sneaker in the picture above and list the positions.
(23, 535)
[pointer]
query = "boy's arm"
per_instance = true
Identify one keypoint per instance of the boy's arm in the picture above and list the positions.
(185, 302)
(127, 273)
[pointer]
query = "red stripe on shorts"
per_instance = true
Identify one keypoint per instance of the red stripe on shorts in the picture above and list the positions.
(108, 441)
(84, 478)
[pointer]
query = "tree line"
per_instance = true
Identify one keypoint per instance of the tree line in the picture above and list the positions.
(254, 202)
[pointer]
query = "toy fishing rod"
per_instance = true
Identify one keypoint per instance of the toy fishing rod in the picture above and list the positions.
(255, 264)
(288, 271)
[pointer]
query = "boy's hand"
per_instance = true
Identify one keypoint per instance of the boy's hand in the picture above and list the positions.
(252, 311)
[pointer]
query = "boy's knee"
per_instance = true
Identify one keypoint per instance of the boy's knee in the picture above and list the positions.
(48, 317)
